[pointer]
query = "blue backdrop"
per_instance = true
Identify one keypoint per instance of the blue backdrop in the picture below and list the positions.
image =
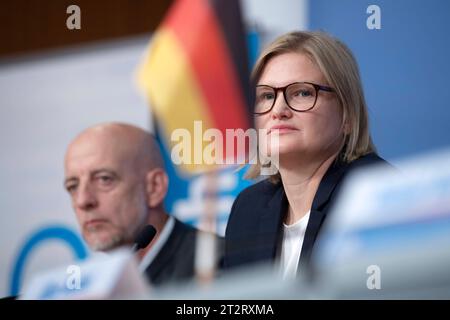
(404, 68)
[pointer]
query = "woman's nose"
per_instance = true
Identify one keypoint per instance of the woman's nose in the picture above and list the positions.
(280, 108)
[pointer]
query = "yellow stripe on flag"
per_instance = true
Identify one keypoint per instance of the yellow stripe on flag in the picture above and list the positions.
(179, 104)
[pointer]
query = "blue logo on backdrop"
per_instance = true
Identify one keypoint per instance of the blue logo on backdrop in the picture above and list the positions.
(40, 236)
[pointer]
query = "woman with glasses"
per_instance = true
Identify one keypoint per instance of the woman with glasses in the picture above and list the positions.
(309, 93)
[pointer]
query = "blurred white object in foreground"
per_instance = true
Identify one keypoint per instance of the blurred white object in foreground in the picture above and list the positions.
(389, 235)
(112, 275)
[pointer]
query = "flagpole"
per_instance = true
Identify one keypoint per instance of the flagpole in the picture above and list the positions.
(206, 244)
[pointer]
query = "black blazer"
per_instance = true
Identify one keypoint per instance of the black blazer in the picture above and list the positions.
(254, 229)
(175, 260)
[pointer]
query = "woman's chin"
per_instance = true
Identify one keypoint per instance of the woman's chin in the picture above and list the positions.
(286, 149)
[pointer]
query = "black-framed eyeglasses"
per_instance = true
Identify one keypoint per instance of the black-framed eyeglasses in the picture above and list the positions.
(299, 96)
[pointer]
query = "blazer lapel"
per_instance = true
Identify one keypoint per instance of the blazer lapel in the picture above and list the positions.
(319, 208)
(270, 225)
(167, 252)
(316, 218)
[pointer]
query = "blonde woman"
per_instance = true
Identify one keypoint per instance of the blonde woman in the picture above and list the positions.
(308, 90)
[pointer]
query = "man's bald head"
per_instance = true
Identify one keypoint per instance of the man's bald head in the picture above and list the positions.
(115, 176)
(128, 141)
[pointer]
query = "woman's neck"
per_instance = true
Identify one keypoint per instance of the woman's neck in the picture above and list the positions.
(301, 180)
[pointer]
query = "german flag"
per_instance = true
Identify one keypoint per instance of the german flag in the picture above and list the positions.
(196, 69)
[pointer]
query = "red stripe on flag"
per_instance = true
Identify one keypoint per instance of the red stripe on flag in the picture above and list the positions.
(196, 27)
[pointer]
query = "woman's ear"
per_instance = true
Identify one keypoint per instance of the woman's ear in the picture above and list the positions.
(157, 184)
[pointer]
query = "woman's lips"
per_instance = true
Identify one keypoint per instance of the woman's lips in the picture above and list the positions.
(281, 129)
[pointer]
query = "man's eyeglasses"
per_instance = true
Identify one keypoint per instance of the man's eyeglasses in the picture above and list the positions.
(299, 96)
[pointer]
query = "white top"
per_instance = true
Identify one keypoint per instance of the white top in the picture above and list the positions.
(291, 247)
(156, 247)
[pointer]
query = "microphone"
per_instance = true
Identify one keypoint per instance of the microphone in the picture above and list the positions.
(144, 238)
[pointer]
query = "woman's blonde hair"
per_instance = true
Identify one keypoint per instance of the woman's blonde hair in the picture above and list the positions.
(339, 67)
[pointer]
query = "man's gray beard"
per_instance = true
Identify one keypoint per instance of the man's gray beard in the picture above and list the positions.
(113, 243)
(123, 238)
